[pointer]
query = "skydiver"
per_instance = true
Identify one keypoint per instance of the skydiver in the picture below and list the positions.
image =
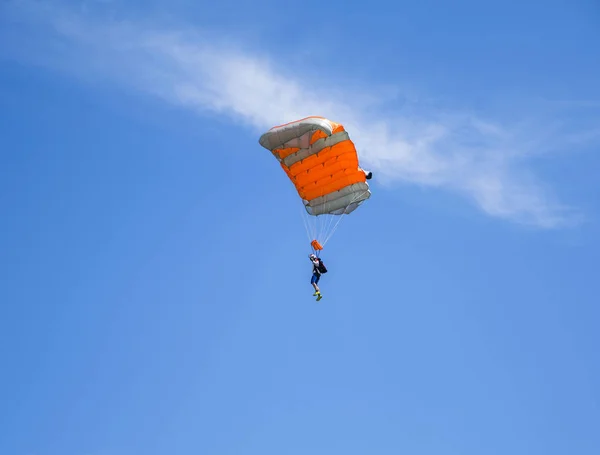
(316, 275)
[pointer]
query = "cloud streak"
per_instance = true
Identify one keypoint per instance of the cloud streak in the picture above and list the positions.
(480, 160)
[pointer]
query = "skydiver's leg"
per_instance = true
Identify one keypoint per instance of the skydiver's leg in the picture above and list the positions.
(314, 280)
(318, 292)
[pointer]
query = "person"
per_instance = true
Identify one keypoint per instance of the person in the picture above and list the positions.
(316, 276)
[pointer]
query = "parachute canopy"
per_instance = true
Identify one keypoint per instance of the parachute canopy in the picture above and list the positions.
(321, 161)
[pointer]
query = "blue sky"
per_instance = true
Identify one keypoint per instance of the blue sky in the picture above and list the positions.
(155, 293)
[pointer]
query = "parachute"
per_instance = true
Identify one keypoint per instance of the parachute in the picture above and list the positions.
(322, 163)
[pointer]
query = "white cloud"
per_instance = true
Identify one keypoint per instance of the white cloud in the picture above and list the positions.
(476, 158)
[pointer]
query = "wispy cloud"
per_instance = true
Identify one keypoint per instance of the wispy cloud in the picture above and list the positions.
(479, 159)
